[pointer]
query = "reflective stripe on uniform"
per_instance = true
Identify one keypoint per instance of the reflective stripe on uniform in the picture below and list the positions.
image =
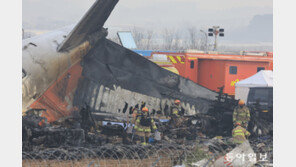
(238, 141)
(142, 129)
(238, 134)
(138, 129)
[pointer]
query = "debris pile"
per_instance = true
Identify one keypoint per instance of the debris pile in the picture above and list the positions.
(199, 139)
(263, 147)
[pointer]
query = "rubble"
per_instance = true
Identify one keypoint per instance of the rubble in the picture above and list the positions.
(242, 155)
(205, 136)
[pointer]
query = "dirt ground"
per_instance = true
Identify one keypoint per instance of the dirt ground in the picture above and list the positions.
(163, 162)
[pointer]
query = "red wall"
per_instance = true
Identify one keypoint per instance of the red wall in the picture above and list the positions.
(244, 70)
(191, 73)
(212, 70)
(215, 73)
(178, 60)
(211, 73)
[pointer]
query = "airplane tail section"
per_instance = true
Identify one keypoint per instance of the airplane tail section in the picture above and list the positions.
(115, 79)
(91, 23)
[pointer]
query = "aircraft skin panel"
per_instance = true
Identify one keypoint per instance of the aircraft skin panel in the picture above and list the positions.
(43, 65)
(57, 99)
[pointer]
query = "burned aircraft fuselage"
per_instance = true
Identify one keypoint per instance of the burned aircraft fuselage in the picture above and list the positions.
(66, 69)
(44, 68)
(51, 79)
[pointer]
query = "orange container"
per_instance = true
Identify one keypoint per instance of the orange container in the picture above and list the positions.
(216, 70)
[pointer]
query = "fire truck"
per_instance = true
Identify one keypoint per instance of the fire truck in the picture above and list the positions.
(214, 69)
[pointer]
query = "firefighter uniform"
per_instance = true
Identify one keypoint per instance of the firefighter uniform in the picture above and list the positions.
(143, 126)
(241, 114)
(136, 113)
(176, 119)
(176, 110)
(239, 134)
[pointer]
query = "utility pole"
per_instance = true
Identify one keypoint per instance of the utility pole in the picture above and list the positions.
(216, 33)
(216, 30)
(206, 35)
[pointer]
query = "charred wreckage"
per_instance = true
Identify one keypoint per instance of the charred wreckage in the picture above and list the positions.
(81, 91)
(92, 130)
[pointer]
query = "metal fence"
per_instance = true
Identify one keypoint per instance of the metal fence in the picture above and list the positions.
(115, 155)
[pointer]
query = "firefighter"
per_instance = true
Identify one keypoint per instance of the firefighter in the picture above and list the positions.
(176, 119)
(239, 134)
(136, 113)
(144, 125)
(241, 114)
(176, 108)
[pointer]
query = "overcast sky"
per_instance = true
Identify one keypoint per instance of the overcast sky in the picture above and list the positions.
(227, 13)
(236, 16)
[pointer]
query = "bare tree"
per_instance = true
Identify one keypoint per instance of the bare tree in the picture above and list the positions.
(168, 37)
(177, 41)
(192, 31)
(149, 35)
(138, 37)
(203, 41)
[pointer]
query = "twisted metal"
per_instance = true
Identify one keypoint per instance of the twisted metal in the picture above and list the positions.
(114, 155)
